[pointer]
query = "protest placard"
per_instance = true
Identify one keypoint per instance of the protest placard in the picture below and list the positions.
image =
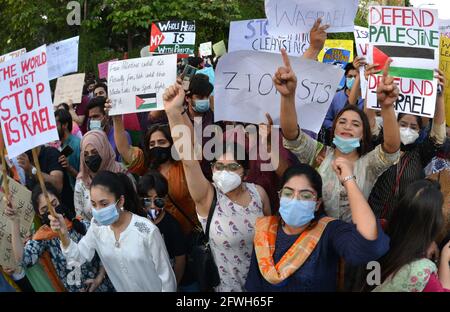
(294, 16)
(245, 91)
(337, 52)
(219, 48)
(444, 65)
(137, 85)
(410, 37)
(205, 49)
(26, 110)
(103, 69)
(11, 55)
(252, 35)
(444, 27)
(21, 200)
(62, 57)
(362, 41)
(69, 88)
(173, 37)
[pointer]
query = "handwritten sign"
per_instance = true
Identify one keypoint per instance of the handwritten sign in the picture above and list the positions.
(410, 37)
(245, 91)
(171, 37)
(69, 88)
(137, 85)
(205, 49)
(26, 110)
(63, 57)
(444, 65)
(21, 199)
(252, 35)
(444, 27)
(219, 48)
(11, 55)
(337, 52)
(103, 69)
(362, 41)
(293, 16)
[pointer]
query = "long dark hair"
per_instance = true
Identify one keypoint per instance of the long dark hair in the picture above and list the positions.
(415, 224)
(165, 130)
(119, 184)
(67, 212)
(313, 178)
(153, 180)
(366, 141)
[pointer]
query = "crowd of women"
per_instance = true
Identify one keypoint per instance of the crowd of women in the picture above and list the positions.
(372, 186)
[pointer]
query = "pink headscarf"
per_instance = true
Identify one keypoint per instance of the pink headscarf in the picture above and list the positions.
(99, 141)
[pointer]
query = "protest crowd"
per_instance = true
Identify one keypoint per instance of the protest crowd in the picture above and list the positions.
(239, 171)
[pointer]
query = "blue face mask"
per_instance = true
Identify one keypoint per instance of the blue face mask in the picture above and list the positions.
(349, 82)
(346, 146)
(107, 215)
(296, 212)
(201, 106)
(95, 125)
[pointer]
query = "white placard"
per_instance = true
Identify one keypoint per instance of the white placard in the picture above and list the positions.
(244, 89)
(362, 41)
(11, 55)
(137, 85)
(205, 49)
(63, 57)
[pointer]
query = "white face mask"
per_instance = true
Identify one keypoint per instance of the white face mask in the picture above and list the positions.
(408, 135)
(226, 181)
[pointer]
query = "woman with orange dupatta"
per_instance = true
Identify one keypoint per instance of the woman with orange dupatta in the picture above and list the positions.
(299, 250)
(45, 247)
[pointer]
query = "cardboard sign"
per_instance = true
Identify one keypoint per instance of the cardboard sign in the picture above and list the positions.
(444, 27)
(245, 91)
(137, 85)
(173, 37)
(362, 41)
(444, 65)
(410, 37)
(63, 57)
(220, 48)
(69, 88)
(252, 35)
(11, 55)
(293, 16)
(205, 49)
(103, 69)
(26, 110)
(21, 199)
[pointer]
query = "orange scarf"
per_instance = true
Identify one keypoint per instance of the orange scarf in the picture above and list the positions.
(264, 242)
(46, 233)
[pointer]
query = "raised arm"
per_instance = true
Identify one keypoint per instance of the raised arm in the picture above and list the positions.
(439, 113)
(362, 214)
(199, 187)
(285, 82)
(317, 37)
(120, 136)
(387, 94)
(355, 92)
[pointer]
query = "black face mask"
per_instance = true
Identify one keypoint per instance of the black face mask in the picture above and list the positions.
(93, 162)
(159, 155)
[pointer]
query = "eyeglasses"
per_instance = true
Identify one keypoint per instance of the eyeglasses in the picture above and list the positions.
(229, 167)
(301, 195)
(148, 202)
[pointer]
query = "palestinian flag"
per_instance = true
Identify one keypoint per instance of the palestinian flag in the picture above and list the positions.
(402, 58)
(146, 101)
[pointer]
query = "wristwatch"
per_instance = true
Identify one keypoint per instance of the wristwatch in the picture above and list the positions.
(352, 177)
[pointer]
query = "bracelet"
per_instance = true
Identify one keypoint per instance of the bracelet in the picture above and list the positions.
(352, 177)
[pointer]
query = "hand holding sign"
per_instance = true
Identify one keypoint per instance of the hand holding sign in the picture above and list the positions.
(318, 35)
(440, 76)
(359, 61)
(370, 69)
(173, 97)
(387, 91)
(284, 79)
(10, 211)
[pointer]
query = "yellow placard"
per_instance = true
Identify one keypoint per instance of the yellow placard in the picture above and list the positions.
(337, 44)
(444, 65)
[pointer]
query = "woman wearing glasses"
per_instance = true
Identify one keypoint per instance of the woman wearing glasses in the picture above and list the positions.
(299, 250)
(238, 204)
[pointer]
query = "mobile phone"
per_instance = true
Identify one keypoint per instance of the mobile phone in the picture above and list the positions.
(67, 151)
(188, 72)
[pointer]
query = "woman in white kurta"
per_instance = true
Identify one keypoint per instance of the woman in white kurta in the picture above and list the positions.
(129, 246)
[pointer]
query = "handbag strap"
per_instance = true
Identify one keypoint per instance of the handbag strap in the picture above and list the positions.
(210, 214)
